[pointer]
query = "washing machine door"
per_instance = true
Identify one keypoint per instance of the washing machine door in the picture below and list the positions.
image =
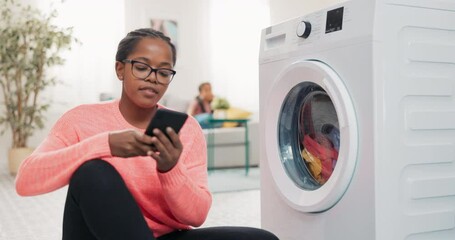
(311, 136)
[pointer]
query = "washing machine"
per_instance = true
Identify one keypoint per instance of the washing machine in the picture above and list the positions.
(357, 122)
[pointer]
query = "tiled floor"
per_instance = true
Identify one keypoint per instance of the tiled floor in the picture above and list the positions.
(40, 217)
(235, 209)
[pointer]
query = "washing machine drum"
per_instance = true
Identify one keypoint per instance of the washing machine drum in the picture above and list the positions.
(313, 159)
(309, 126)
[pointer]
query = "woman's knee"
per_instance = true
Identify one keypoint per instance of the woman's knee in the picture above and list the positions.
(94, 173)
(238, 233)
(256, 233)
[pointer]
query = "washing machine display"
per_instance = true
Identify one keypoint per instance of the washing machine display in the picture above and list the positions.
(309, 136)
(334, 20)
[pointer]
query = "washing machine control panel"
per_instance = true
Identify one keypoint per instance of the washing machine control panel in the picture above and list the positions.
(335, 26)
(303, 29)
(320, 23)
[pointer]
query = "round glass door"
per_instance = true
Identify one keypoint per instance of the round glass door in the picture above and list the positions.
(310, 135)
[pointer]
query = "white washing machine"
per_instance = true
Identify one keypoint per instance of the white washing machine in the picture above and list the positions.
(357, 116)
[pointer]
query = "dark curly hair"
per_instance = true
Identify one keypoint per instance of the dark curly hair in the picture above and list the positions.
(128, 43)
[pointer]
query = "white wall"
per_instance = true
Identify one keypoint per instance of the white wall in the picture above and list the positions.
(282, 10)
(235, 33)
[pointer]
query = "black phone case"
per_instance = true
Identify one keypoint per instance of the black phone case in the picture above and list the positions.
(166, 118)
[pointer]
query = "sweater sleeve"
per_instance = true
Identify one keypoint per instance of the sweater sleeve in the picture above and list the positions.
(52, 164)
(185, 186)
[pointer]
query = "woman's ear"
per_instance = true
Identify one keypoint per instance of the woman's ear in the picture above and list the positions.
(120, 70)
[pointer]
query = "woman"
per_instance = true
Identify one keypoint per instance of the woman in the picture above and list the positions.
(119, 186)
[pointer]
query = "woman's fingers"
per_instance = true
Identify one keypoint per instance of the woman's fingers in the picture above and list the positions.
(123, 143)
(144, 138)
(146, 144)
(160, 147)
(162, 137)
(169, 150)
(174, 138)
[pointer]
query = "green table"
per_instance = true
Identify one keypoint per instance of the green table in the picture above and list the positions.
(211, 141)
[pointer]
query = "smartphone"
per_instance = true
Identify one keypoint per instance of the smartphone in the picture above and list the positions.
(166, 118)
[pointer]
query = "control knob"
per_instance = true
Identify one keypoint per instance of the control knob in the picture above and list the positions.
(304, 29)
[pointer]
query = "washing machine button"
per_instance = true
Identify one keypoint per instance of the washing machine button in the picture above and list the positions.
(304, 29)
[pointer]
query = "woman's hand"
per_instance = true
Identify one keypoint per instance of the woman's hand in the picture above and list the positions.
(130, 143)
(169, 150)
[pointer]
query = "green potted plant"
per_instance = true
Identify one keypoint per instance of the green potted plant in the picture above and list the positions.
(29, 45)
(220, 106)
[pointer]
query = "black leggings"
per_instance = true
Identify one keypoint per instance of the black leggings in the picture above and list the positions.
(99, 206)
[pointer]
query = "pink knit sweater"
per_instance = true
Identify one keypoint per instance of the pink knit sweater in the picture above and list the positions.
(173, 200)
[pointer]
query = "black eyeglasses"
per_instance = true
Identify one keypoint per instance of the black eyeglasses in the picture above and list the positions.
(142, 71)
